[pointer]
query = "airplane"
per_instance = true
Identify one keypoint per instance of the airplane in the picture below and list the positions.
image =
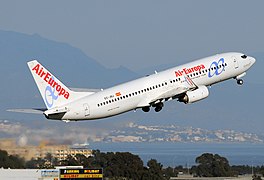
(187, 83)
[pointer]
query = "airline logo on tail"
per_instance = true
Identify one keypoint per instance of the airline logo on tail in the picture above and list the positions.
(52, 86)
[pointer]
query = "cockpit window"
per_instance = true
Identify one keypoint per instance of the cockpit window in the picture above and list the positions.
(244, 56)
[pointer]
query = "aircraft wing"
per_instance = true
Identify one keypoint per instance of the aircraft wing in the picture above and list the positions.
(172, 93)
(31, 111)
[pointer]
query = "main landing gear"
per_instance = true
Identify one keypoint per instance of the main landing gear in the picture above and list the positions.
(158, 107)
(146, 109)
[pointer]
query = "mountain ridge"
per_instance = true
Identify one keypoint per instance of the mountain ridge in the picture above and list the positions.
(67, 63)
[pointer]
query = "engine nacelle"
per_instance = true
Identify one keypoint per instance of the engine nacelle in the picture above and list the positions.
(192, 96)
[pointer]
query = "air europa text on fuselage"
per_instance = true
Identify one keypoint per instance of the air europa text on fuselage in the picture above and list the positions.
(189, 70)
(46, 76)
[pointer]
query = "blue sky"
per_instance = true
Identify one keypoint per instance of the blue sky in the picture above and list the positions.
(138, 34)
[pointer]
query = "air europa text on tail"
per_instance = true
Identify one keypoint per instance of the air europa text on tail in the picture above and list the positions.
(46, 76)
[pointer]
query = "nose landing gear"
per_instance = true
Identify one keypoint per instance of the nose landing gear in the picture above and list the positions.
(240, 82)
(238, 78)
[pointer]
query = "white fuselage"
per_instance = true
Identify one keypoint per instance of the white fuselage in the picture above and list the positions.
(158, 87)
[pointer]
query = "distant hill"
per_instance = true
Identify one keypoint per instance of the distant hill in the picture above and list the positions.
(69, 64)
(173, 133)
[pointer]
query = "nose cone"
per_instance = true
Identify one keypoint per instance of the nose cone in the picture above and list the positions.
(253, 60)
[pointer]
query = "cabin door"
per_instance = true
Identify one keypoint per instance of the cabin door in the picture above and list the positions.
(86, 110)
(235, 62)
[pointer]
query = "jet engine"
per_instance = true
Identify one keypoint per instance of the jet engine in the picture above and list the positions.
(192, 96)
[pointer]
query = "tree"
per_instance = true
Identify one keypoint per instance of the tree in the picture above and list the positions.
(124, 164)
(212, 165)
(83, 160)
(169, 172)
(35, 163)
(255, 177)
(48, 162)
(70, 161)
(11, 161)
(241, 169)
(155, 169)
(261, 170)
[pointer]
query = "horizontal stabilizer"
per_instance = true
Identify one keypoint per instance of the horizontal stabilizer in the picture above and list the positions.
(85, 90)
(32, 111)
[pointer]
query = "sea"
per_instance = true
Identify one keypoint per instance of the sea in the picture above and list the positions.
(184, 154)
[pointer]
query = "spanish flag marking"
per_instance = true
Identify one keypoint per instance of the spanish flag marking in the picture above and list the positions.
(118, 94)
